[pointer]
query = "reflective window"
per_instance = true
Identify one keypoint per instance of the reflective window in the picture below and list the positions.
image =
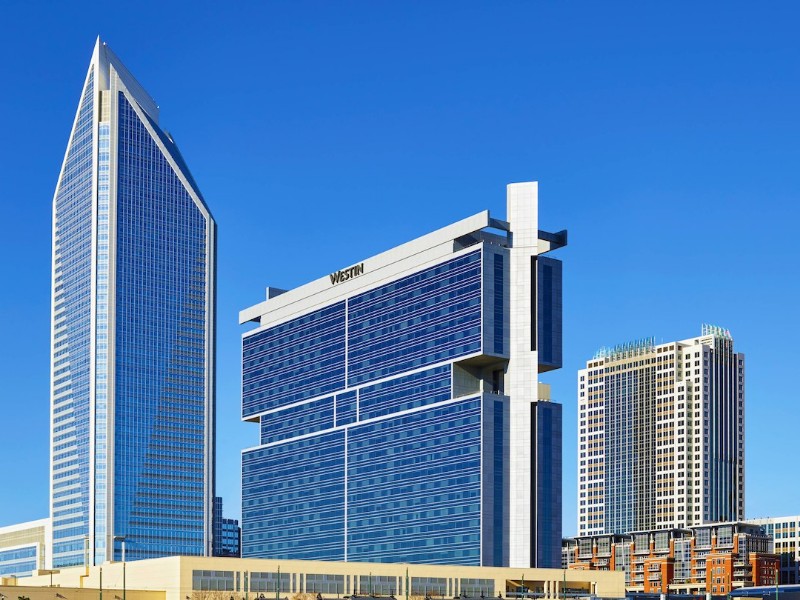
(160, 354)
(72, 332)
(422, 319)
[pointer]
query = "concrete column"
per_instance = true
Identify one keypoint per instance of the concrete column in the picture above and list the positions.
(522, 213)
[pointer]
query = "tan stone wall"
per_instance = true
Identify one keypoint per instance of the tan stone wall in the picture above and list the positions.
(20, 592)
(173, 578)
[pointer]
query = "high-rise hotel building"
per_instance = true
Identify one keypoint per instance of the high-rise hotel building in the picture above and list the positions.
(400, 414)
(132, 379)
(661, 435)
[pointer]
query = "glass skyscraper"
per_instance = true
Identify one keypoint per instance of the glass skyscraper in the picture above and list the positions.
(132, 379)
(400, 414)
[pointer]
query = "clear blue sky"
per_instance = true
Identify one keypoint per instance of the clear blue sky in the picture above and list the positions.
(665, 137)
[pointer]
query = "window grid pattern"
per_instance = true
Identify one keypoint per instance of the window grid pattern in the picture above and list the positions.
(214, 581)
(547, 420)
(346, 405)
(71, 353)
(376, 585)
(231, 544)
(498, 491)
(268, 582)
(429, 586)
(19, 561)
(630, 450)
(322, 583)
(403, 393)
(101, 344)
(477, 588)
(298, 420)
(294, 489)
(425, 318)
(160, 353)
(293, 499)
(549, 290)
(414, 487)
(498, 303)
(294, 361)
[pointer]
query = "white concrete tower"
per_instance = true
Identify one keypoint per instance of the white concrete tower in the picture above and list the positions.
(522, 214)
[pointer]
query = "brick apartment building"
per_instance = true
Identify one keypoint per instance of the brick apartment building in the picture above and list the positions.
(714, 559)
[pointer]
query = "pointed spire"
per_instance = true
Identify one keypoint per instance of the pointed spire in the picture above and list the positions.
(107, 63)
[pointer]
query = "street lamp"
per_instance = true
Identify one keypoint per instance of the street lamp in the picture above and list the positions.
(121, 538)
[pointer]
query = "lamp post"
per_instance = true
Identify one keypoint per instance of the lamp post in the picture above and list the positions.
(121, 538)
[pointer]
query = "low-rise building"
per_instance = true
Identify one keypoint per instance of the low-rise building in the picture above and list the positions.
(785, 532)
(23, 547)
(715, 558)
(214, 578)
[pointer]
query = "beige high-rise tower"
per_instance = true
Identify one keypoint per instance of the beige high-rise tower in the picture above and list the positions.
(661, 435)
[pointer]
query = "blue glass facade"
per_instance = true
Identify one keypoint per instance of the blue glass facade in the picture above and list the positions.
(630, 443)
(383, 471)
(133, 299)
(295, 361)
(310, 417)
(499, 483)
(160, 408)
(549, 289)
(498, 271)
(404, 393)
(227, 533)
(293, 499)
(72, 338)
(547, 425)
(414, 487)
(18, 561)
(385, 428)
(419, 320)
